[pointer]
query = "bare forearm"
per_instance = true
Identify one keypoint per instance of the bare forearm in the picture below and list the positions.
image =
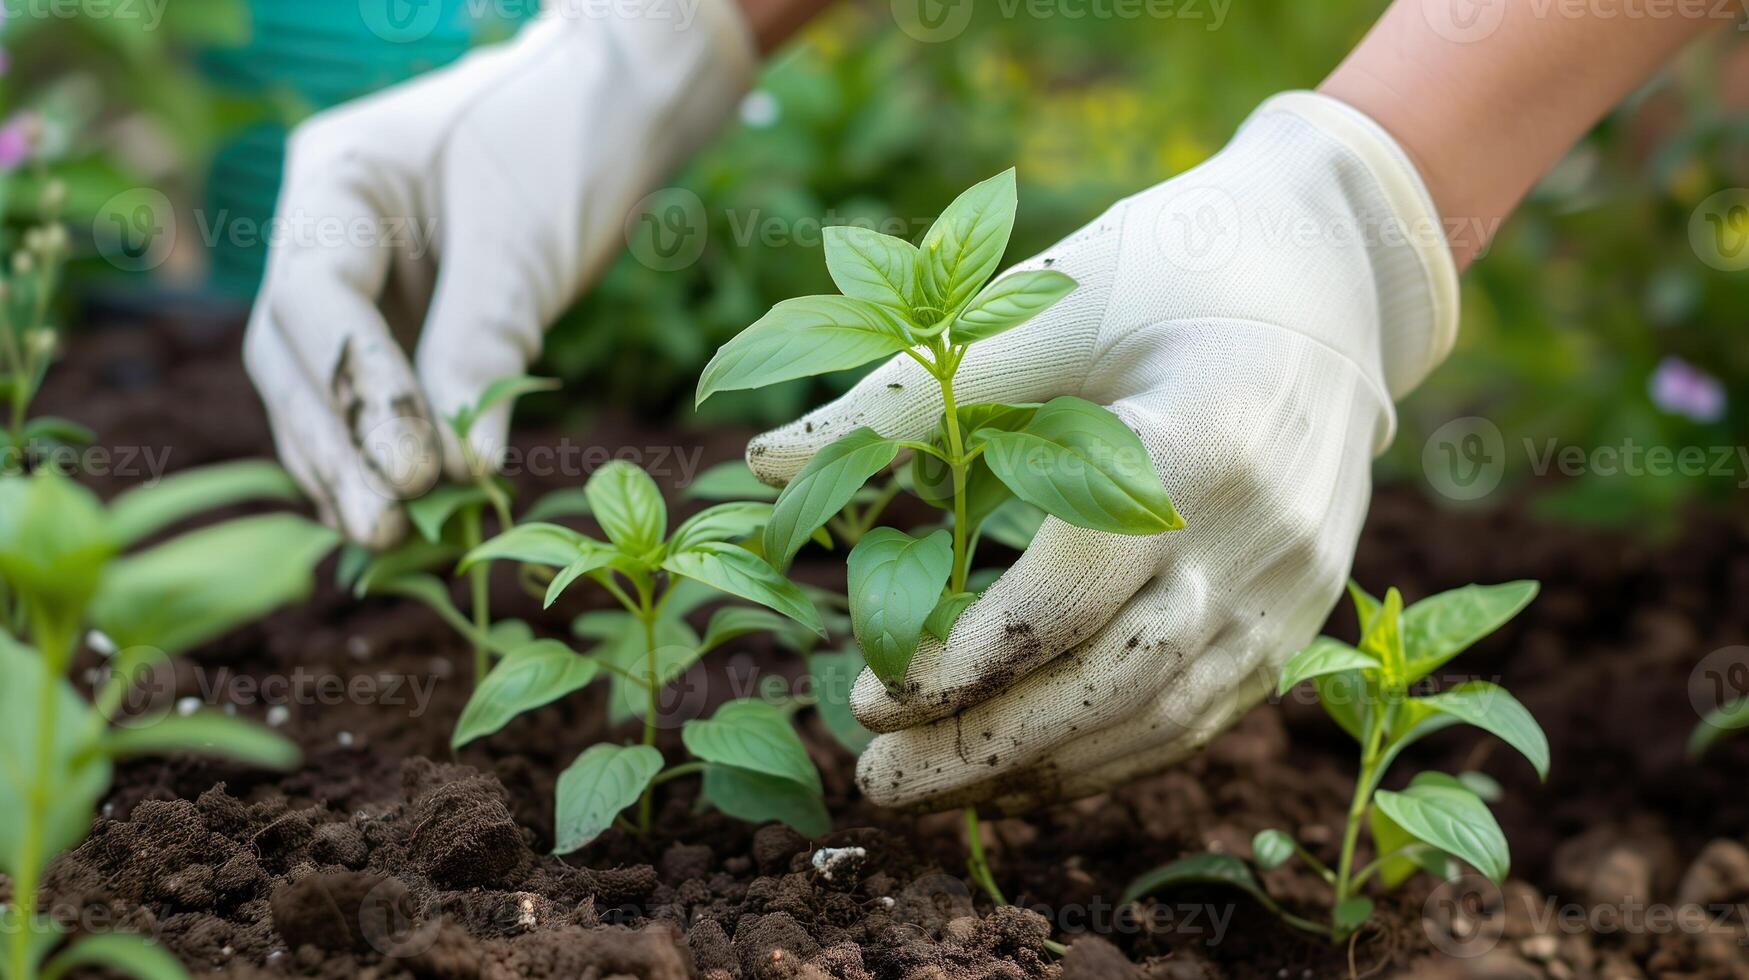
(1486, 112)
(774, 21)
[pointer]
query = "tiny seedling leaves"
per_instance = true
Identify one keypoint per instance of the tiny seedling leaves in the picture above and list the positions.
(965, 245)
(628, 506)
(1445, 813)
(1440, 627)
(602, 781)
(894, 582)
(538, 673)
(1323, 657)
(751, 734)
(1488, 707)
(1079, 462)
(723, 522)
(1271, 848)
(1009, 302)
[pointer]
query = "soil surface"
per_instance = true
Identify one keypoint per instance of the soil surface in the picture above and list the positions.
(387, 856)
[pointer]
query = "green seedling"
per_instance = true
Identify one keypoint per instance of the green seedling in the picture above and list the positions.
(932, 302)
(1731, 716)
(753, 764)
(28, 343)
(1436, 821)
(70, 564)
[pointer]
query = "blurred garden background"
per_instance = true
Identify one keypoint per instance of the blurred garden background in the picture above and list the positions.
(1610, 312)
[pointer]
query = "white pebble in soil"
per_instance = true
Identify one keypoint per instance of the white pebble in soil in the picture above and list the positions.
(345, 739)
(833, 861)
(187, 706)
(278, 715)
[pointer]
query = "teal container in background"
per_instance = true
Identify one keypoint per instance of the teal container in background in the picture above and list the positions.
(306, 55)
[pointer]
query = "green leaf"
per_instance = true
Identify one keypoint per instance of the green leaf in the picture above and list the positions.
(54, 541)
(1440, 627)
(729, 481)
(1443, 812)
(1013, 524)
(595, 556)
(1728, 717)
(119, 952)
(947, 612)
(964, 246)
(194, 587)
(800, 338)
(1271, 848)
(1383, 639)
(871, 266)
(1343, 697)
(932, 478)
(205, 733)
(569, 502)
(822, 488)
(509, 634)
(1365, 606)
(628, 506)
(739, 572)
(1324, 656)
(510, 389)
(756, 798)
(833, 676)
(538, 544)
(1009, 302)
(1488, 707)
(1349, 913)
(430, 512)
(1483, 785)
(751, 734)
(602, 781)
(723, 522)
(895, 580)
(732, 622)
(410, 556)
(1389, 836)
(539, 673)
(1205, 868)
(76, 771)
(1434, 722)
(145, 510)
(49, 428)
(677, 648)
(1079, 462)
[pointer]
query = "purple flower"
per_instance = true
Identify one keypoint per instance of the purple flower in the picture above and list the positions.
(1680, 388)
(17, 135)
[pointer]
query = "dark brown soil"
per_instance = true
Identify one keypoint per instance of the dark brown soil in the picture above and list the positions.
(385, 856)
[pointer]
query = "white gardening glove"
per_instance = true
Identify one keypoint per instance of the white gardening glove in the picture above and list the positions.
(1252, 320)
(471, 205)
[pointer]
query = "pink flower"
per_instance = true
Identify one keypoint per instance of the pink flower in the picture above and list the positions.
(17, 137)
(1680, 388)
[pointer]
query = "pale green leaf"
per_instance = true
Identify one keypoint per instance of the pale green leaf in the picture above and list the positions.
(1206, 868)
(739, 572)
(1079, 462)
(1324, 656)
(834, 674)
(729, 481)
(965, 245)
(1441, 811)
(535, 674)
(947, 612)
(534, 543)
(119, 952)
(602, 781)
(140, 512)
(1440, 627)
(751, 734)
(894, 582)
(1009, 302)
(1728, 717)
(756, 798)
(431, 512)
(822, 488)
(730, 521)
(205, 733)
(1489, 707)
(569, 502)
(871, 266)
(628, 506)
(800, 338)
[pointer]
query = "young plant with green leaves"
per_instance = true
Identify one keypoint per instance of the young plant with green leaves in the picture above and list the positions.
(932, 302)
(28, 342)
(70, 564)
(1437, 820)
(753, 764)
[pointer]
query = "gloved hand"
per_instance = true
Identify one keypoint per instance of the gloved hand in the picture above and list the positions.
(476, 201)
(1252, 320)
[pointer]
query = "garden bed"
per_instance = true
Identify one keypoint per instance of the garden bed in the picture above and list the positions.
(250, 874)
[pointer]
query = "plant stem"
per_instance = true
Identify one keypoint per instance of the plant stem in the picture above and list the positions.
(976, 862)
(675, 772)
(646, 614)
(1357, 809)
(956, 463)
(480, 597)
(55, 646)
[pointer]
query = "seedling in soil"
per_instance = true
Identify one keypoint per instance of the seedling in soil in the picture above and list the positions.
(1731, 716)
(1438, 819)
(66, 566)
(753, 764)
(1067, 457)
(28, 342)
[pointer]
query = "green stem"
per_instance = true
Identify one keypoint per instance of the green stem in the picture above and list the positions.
(675, 772)
(646, 613)
(957, 463)
(1357, 809)
(479, 598)
(976, 862)
(55, 647)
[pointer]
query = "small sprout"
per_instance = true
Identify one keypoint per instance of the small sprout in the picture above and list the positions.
(1437, 819)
